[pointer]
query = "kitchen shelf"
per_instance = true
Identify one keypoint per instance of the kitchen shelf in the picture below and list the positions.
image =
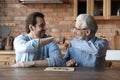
(40, 1)
(100, 9)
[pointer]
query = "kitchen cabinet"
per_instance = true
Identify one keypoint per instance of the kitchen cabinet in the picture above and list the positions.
(100, 9)
(40, 1)
(7, 58)
(113, 9)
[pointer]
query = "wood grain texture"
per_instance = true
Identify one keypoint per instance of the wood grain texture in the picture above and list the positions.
(115, 41)
(7, 58)
(79, 74)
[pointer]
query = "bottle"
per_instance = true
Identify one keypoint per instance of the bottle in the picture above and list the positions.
(118, 12)
(9, 43)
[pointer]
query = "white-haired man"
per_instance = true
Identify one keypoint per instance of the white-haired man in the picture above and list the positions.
(86, 49)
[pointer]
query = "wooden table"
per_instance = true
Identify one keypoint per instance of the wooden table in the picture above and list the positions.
(79, 74)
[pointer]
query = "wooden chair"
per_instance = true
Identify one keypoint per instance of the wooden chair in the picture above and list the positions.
(113, 58)
(115, 41)
(113, 55)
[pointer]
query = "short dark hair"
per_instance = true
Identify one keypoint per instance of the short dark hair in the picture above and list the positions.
(31, 19)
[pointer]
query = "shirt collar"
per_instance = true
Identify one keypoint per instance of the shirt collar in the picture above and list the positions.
(92, 39)
(29, 36)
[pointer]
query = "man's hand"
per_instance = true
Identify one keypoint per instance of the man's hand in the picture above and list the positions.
(71, 63)
(21, 64)
(63, 42)
(24, 64)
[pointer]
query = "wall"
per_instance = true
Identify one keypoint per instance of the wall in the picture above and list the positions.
(59, 18)
(107, 28)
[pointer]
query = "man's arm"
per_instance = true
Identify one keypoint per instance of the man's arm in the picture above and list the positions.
(55, 57)
(24, 45)
(71, 63)
(31, 46)
(40, 63)
(45, 41)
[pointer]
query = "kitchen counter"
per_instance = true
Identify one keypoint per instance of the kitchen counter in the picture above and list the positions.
(7, 52)
(7, 58)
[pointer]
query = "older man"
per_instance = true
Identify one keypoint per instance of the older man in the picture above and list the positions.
(86, 49)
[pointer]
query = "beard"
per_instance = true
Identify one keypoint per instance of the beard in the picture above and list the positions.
(82, 37)
(41, 34)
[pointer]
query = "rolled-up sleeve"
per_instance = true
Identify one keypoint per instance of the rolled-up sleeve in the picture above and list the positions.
(22, 45)
(102, 47)
(55, 57)
(88, 53)
(67, 56)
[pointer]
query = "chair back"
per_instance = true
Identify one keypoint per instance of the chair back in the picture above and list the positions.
(115, 41)
(113, 58)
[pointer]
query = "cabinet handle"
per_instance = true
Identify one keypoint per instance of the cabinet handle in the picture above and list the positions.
(7, 57)
(6, 63)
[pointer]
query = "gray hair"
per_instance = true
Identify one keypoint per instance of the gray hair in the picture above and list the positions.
(88, 22)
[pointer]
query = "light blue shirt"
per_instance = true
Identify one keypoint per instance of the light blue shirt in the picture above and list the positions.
(88, 53)
(26, 49)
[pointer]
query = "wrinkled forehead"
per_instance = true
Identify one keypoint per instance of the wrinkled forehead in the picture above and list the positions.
(78, 24)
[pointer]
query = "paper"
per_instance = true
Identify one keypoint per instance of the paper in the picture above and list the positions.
(59, 69)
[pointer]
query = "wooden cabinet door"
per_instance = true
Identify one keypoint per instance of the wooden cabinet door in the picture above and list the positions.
(99, 9)
(113, 11)
(6, 60)
(82, 6)
(96, 8)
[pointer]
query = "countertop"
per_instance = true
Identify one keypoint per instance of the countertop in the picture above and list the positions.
(7, 52)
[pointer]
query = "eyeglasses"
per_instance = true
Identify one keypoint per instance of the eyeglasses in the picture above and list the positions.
(80, 29)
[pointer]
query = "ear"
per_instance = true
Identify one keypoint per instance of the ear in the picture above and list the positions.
(88, 32)
(31, 27)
